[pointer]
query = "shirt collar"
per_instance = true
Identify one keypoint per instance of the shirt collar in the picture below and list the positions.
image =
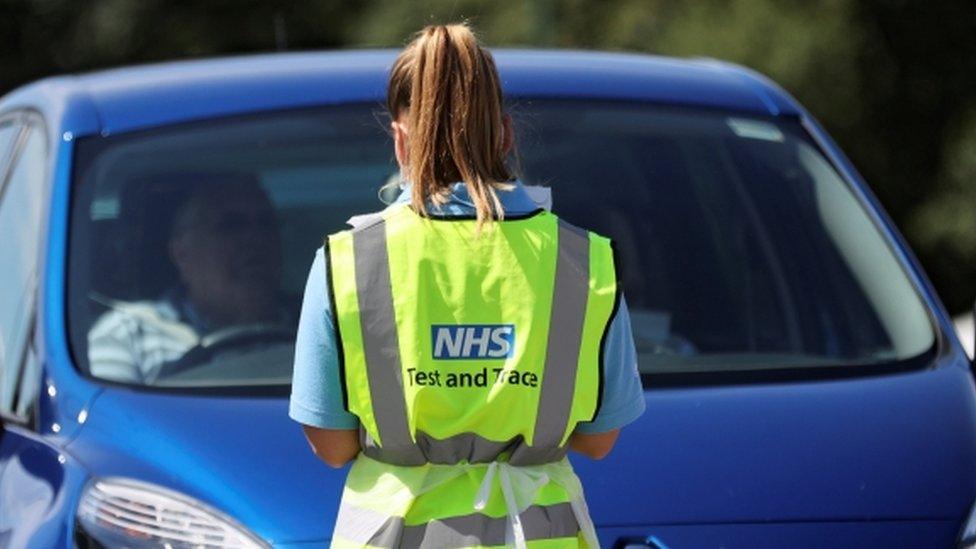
(515, 201)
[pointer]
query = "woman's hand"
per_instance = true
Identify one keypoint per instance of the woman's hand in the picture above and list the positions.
(595, 446)
(336, 447)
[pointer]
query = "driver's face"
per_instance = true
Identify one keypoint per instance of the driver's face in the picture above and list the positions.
(229, 252)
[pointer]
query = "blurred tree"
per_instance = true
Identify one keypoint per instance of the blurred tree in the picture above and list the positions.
(944, 226)
(390, 23)
(891, 81)
(894, 81)
(42, 37)
(918, 147)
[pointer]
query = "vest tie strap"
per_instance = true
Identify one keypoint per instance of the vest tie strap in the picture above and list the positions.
(524, 520)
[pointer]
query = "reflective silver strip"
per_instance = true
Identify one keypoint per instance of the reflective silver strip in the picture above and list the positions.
(384, 372)
(367, 526)
(380, 345)
(569, 298)
(463, 447)
(538, 522)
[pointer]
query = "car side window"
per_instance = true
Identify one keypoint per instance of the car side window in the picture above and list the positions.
(9, 130)
(21, 204)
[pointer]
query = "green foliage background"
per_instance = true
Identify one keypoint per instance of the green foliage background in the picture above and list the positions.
(893, 81)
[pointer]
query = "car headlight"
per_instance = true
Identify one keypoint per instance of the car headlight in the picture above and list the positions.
(120, 512)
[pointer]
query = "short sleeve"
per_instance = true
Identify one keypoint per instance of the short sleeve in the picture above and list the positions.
(623, 394)
(316, 388)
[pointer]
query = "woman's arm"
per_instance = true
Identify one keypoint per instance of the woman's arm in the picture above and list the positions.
(336, 447)
(623, 395)
(316, 393)
(595, 446)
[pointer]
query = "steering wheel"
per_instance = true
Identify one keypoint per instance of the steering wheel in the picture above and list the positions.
(221, 340)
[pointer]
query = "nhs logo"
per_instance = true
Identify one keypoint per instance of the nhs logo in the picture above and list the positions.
(472, 341)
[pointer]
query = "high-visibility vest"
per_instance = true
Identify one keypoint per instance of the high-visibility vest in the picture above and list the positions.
(469, 359)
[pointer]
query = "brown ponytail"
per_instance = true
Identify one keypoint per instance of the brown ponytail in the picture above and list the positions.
(449, 90)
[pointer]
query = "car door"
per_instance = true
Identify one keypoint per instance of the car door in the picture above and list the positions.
(32, 470)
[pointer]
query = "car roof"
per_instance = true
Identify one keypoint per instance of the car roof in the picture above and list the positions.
(146, 96)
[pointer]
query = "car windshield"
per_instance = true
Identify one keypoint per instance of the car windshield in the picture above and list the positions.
(741, 249)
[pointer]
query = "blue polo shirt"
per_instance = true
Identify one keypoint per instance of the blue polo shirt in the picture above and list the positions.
(316, 394)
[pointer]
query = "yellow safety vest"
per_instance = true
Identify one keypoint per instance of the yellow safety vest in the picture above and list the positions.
(469, 360)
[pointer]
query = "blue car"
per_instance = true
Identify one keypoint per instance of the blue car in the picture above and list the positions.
(804, 386)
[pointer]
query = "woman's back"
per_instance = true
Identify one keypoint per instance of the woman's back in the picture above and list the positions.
(470, 347)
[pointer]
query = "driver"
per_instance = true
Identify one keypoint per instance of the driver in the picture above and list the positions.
(226, 247)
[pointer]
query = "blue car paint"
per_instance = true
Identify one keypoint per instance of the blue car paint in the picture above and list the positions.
(72, 396)
(153, 95)
(46, 484)
(794, 535)
(880, 459)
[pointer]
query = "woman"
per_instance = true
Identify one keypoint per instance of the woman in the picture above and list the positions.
(463, 340)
